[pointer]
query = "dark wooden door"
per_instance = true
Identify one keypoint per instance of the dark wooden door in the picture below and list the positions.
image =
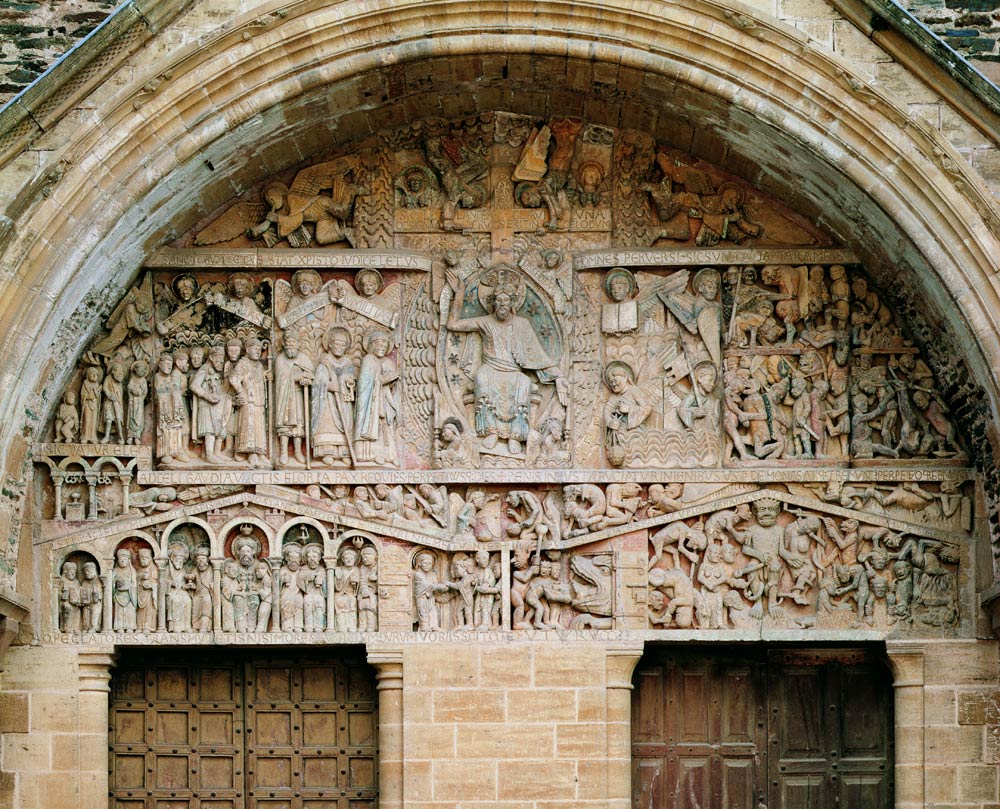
(698, 727)
(830, 734)
(743, 729)
(243, 734)
(177, 736)
(310, 736)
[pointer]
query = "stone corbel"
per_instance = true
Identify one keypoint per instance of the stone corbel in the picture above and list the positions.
(13, 610)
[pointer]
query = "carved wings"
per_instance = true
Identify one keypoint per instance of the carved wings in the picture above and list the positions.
(233, 223)
(165, 299)
(310, 181)
(283, 294)
(695, 181)
(419, 371)
(654, 293)
(673, 292)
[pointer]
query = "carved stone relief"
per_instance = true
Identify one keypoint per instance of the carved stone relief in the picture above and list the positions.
(80, 594)
(681, 369)
(569, 380)
(867, 555)
(765, 561)
(456, 591)
(552, 590)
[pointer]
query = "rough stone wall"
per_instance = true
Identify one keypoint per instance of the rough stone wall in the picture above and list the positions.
(961, 705)
(510, 726)
(34, 34)
(922, 100)
(971, 27)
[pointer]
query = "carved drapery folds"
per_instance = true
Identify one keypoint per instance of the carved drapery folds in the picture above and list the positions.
(568, 380)
(861, 553)
(770, 365)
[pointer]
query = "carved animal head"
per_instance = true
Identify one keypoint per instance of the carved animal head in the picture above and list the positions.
(592, 583)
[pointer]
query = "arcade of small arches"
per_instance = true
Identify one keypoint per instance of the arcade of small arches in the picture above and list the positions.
(571, 378)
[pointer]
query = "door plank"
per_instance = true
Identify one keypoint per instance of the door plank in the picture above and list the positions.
(243, 734)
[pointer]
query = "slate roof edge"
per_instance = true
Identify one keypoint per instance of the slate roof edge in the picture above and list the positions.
(881, 16)
(38, 106)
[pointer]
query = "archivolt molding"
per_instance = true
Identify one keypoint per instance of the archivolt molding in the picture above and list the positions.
(129, 179)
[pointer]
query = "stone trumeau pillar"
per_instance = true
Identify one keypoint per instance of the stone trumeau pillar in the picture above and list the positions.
(513, 722)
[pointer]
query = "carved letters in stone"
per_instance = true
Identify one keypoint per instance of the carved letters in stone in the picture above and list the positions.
(486, 425)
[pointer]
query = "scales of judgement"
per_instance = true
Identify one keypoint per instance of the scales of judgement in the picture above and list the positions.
(503, 374)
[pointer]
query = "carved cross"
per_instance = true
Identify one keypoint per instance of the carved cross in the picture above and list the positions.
(501, 219)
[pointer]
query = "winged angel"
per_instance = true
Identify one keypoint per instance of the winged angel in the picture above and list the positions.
(283, 211)
(662, 405)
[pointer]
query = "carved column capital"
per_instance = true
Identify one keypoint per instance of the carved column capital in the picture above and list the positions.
(621, 662)
(95, 669)
(907, 661)
(388, 665)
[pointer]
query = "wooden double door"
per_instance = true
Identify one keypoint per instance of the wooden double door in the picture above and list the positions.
(199, 731)
(733, 729)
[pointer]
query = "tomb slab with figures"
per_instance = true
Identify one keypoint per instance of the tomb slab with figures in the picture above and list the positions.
(503, 375)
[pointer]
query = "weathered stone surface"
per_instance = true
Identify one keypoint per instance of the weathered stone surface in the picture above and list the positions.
(503, 707)
(35, 34)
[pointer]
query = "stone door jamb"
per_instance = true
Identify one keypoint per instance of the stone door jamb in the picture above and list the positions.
(388, 665)
(94, 671)
(907, 661)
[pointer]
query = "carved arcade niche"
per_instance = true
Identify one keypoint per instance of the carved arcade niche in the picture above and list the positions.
(502, 374)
